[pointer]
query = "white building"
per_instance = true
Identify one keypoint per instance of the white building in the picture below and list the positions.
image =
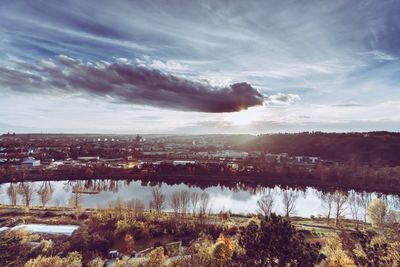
(31, 163)
(182, 162)
(88, 158)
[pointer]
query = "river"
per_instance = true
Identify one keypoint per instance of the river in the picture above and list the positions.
(240, 199)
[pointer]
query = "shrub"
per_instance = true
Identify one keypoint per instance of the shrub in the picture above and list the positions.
(74, 259)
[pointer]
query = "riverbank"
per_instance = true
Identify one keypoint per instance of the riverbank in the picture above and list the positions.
(229, 181)
(139, 235)
(12, 216)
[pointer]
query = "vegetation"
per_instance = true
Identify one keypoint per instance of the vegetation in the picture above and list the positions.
(73, 259)
(265, 205)
(378, 212)
(275, 242)
(216, 242)
(215, 239)
(362, 249)
(373, 148)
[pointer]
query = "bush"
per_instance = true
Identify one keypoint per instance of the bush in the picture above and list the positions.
(96, 262)
(122, 227)
(73, 259)
(275, 241)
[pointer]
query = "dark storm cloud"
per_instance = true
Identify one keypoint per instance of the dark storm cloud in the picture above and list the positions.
(128, 83)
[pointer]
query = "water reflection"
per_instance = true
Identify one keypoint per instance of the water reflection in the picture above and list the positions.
(235, 197)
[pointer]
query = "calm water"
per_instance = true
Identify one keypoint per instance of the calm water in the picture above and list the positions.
(238, 200)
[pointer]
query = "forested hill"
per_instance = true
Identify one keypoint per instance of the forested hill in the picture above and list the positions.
(375, 148)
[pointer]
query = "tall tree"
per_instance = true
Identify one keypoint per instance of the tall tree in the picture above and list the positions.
(365, 199)
(339, 203)
(355, 203)
(377, 212)
(265, 205)
(327, 204)
(194, 200)
(185, 201)
(204, 203)
(158, 200)
(175, 203)
(75, 201)
(12, 193)
(26, 190)
(289, 198)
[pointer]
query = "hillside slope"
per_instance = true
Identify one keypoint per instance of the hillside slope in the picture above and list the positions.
(376, 148)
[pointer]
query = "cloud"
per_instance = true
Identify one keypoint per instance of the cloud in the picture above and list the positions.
(281, 98)
(348, 105)
(332, 55)
(128, 83)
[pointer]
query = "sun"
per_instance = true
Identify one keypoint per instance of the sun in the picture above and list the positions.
(244, 117)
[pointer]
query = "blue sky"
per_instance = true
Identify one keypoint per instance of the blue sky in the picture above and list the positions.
(205, 67)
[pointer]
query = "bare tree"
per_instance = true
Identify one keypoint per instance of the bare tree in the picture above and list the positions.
(175, 203)
(365, 200)
(118, 206)
(327, 203)
(179, 202)
(194, 200)
(355, 204)
(45, 192)
(265, 205)
(135, 205)
(12, 193)
(185, 200)
(339, 202)
(75, 201)
(158, 201)
(204, 203)
(26, 190)
(289, 198)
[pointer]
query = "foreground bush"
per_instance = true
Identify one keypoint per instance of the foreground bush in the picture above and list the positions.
(74, 259)
(275, 242)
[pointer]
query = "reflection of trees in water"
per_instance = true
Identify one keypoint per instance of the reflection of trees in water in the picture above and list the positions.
(45, 192)
(113, 185)
(356, 204)
(94, 186)
(394, 201)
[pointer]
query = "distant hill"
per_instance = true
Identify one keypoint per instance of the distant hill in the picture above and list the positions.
(374, 148)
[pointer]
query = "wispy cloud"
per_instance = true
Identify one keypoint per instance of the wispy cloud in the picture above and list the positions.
(348, 105)
(282, 98)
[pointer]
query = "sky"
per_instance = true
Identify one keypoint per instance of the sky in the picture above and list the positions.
(197, 67)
